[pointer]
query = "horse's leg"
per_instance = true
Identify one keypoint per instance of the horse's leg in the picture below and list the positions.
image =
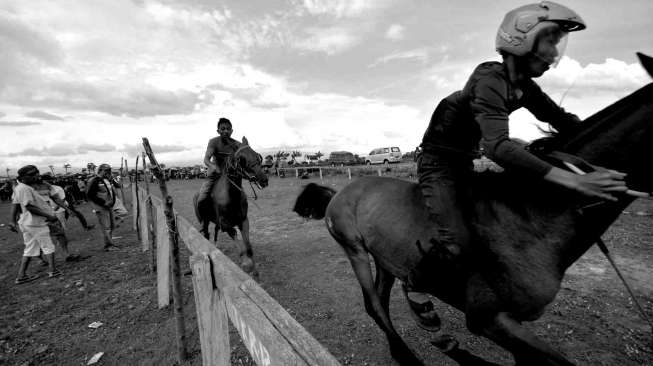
(383, 283)
(527, 348)
(375, 306)
(246, 252)
(483, 318)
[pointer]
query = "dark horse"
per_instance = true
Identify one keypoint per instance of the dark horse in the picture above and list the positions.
(228, 206)
(527, 233)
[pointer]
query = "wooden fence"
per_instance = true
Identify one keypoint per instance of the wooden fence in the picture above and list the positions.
(405, 170)
(224, 292)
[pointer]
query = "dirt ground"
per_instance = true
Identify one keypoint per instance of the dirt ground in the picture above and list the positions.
(592, 321)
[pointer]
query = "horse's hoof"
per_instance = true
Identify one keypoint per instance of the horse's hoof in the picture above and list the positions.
(445, 343)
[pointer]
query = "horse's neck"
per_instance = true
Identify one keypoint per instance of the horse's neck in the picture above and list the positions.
(618, 138)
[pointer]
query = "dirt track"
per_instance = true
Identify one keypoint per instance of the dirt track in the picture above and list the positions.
(592, 320)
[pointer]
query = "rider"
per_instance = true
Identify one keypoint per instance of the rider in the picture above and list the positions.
(217, 151)
(530, 40)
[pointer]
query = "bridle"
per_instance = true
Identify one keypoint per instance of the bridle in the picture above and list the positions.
(233, 165)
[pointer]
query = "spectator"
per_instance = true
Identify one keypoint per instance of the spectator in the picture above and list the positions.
(102, 196)
(33, 223)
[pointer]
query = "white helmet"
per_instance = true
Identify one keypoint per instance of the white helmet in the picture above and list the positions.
(520, 27)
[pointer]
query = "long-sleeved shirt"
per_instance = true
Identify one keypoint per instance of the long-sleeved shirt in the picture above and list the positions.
(479, 113)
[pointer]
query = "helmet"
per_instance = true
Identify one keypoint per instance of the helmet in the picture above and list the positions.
(520, 27)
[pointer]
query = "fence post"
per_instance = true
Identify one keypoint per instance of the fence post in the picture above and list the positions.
(136, 204)
(162, 259)
(134, 208)
(122, 181)
(349, 173)
(296, 172)
(378, 171)
(151, 243)
(212, 319)
(320, 173)
(182, 353)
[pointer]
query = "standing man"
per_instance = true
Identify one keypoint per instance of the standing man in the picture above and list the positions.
(102, 196)
(33, 223)
(217, 151)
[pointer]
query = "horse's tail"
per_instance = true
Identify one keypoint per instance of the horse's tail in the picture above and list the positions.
(313, 201)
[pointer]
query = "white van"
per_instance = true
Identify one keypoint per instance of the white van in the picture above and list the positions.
(384, 155)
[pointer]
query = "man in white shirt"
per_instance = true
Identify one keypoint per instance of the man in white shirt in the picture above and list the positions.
(56, 198)
(33, 223)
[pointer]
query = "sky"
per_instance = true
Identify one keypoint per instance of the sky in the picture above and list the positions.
(84, 81)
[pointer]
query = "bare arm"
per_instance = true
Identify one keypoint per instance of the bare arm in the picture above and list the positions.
(13, 216)
(213, 167)
(34, 210)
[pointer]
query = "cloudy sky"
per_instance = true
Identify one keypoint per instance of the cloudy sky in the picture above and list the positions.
(83, 81)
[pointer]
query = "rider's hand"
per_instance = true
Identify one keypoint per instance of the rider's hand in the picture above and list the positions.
(599, 184)
(602, 184)
(13, 228)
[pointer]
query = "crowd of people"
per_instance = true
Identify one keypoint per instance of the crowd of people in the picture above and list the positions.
(42, 204)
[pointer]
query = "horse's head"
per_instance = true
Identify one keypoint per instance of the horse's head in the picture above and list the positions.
(620, 136)
(247, 163)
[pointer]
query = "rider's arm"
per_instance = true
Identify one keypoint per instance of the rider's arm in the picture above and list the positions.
(489, 105)
(207, 158)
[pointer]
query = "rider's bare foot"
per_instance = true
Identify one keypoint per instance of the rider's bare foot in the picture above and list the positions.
(422, 309)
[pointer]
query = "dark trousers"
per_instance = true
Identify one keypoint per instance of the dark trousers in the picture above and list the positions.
(443, 181)
(207, 186)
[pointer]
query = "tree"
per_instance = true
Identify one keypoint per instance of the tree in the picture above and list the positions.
(91, 168)
(66, 167)
(293, 155)
(319, 155)
(51, 168)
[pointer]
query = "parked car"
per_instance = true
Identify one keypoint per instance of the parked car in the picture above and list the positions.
(384, 155)
(340, 158)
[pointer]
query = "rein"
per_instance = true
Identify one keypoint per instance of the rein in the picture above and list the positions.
(233, 164)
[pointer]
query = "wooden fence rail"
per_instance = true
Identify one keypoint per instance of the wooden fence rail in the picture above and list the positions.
(223, 292)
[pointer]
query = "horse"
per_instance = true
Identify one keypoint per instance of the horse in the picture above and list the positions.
(227, 208)
(526, 233)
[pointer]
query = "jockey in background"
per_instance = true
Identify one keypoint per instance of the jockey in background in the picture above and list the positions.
(217, 151)
(530, 40)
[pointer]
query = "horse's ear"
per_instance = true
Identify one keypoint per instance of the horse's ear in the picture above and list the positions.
(647, 62)
(245, 142)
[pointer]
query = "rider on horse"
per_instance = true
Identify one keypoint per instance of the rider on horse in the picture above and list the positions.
(530, 39)
(217, 151)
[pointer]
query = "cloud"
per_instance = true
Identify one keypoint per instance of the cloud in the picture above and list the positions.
(18, 123)
(395, 32)
(85, 148)
(25, 49)
(56, 150)
(340, 8)
(137, 149)
(134, 101)
(328, 40)
(43, 115)
(612, 77)
(2, 114)
(421, 55)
